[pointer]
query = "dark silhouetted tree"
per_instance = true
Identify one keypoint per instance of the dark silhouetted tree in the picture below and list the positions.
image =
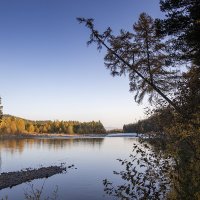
(182, 24)
(141, 55)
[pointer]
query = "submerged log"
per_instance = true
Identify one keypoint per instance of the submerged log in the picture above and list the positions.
(11, 179)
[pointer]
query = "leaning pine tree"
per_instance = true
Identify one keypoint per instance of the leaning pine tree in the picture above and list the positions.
(141, 55)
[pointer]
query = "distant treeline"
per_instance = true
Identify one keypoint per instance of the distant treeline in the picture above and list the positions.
(15, 125)
(155, 123)
(115, 131)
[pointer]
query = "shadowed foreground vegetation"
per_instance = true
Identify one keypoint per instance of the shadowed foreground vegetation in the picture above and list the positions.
(36, 193)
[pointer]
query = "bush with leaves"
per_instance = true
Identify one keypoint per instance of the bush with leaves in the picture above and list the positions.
(146, 175)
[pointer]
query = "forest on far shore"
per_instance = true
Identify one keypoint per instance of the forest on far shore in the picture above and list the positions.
(16, 125)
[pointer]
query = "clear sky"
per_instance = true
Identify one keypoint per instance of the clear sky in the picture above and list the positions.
(47, 70)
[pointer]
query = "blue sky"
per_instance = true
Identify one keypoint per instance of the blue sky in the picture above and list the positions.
(47, 70)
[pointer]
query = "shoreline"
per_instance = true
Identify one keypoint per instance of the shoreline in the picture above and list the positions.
(66, 136)
(11, 179)
(49, 135)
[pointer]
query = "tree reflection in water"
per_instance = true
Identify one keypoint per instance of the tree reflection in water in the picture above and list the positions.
(16, 144)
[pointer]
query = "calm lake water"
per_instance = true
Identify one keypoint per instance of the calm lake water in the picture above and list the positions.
(94, 158)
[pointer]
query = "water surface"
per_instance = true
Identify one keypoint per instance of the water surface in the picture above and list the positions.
(94, 158)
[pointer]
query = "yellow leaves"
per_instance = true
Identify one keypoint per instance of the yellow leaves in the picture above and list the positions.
(13, 125)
